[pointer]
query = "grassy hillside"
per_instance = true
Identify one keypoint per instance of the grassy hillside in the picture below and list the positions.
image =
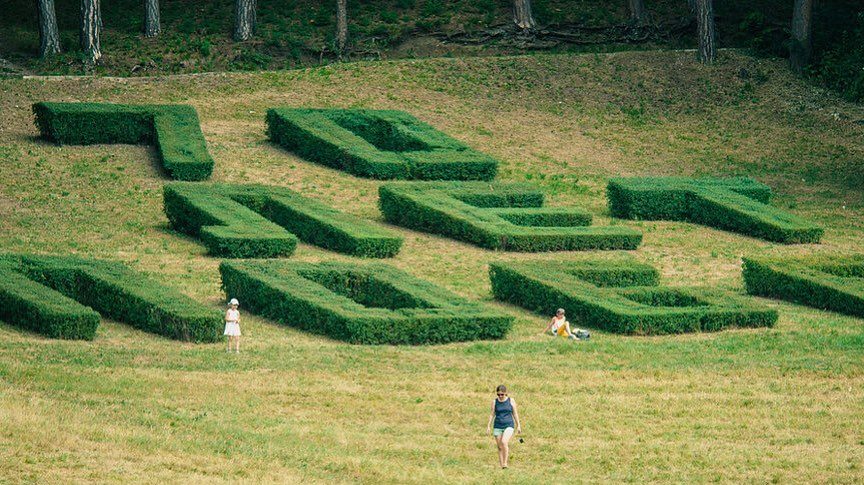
(781, 404)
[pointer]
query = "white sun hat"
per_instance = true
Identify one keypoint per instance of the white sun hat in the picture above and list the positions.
(234, 302)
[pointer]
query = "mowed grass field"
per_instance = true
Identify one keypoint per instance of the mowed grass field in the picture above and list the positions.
(768, 405)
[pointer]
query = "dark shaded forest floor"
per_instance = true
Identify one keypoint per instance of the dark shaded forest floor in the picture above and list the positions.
(299, 33)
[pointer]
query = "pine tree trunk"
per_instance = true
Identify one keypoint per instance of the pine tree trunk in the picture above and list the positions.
(801, 46)
(637, 12)
(522, 15)
(341, 26)
(705, 31)
(49, 35)
(244, 19)
(91, 27)
(152, 26)
(254, 16)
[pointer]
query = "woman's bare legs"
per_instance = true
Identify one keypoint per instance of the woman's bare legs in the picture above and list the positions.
(505, 446)
(570, 332)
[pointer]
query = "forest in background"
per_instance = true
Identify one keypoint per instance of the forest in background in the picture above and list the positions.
(196, 34)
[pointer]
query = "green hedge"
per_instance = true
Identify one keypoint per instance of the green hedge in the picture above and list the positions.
(377, 144)
(174, 129)
(622, 297)
(362, 304)
(734, 204)
(256, 221)
(497, 216)
(828, 283)
(109, 288)
(32, 306)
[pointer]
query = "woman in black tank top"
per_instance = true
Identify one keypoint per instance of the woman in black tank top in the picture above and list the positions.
(505, 416)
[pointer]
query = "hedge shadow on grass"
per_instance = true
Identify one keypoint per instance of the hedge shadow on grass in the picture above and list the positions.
(833, 283)
(378, 144)
(501, 216)
(174, 129)
(622, 297)
(59, 297)
(733, 204)
(257, 221)
(360, 304)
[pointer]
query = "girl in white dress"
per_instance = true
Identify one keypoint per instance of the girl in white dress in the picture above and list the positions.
(232, 325)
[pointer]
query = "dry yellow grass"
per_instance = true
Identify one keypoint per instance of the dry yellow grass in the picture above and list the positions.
(781, 405)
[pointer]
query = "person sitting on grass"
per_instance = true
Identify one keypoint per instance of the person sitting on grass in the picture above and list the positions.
(560, 326)
(232, 325)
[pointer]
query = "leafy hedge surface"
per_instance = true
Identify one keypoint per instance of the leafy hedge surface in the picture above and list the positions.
(110, 288)
(377, 143)
(497, 216)
(622, 297)
(828, 283)
(174, 129)
(362, 304)
(30, 305)
(735, 204)
(248, 221)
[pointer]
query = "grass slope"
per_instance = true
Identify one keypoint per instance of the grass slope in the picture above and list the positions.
(781, 404)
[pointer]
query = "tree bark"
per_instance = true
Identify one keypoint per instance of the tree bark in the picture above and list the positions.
(152, 25)
(91, 27)
(49, 35)
(244, 19)
(341, 26)
(522, 16)
(254, 16)
(801, 46)
(638, 15)
(707, 52)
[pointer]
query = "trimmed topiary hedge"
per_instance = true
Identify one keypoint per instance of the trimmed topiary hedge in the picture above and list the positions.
(361, 304)
(37, 293)
(827, 283)
(497, 216)
(35, 307)
(622, 297)
(377, 144)
(249, 221)
(174, 129)
(734, 204)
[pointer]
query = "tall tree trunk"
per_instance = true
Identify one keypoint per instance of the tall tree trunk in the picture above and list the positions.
(244, 19)
(637, 12)
(254, 16)
(705, 31)
(341, 26)
(801, 46)
(152, 26)
(49, 35)
(522, 16)
(91, 27)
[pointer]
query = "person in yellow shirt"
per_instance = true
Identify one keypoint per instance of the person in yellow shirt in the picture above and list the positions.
(560, 326)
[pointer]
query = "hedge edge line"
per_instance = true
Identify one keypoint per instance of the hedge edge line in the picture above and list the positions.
(243, 221)
(622, 297)
(174, 130)
(360, 304)
(113, 290)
